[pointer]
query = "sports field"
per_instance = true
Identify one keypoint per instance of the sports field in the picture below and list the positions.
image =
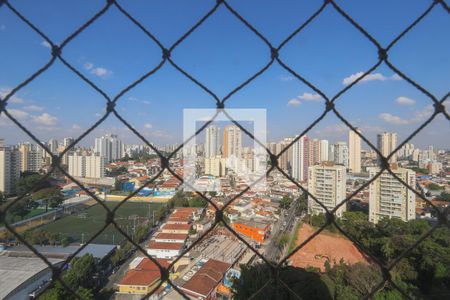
(83, 225)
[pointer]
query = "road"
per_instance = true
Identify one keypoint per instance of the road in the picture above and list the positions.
(272, 251)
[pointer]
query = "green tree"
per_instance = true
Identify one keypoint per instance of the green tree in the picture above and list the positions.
(35, 181)
(20, 208)
(51, 196)
(435, 187)
(197, 202)
(285, 202)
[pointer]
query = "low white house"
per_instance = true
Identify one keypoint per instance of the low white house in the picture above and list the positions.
(164, 250)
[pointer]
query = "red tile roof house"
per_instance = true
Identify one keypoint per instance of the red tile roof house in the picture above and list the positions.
(175, 228)
(141, 279)
(203, 284)
(170, 237)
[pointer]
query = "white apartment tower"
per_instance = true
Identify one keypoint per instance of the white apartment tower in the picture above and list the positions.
(110, 147)
(324, 150)
(89, 166)
(9, 168)
(354, 151)
(388, 198)
(300, 159)
(341, 154)
(327, 182)
(53, 146)
(232, 141)
(212, 141)
(31, 157)
(386, 143)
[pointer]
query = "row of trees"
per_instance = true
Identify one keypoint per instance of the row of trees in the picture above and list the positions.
(423, 273)
(43, 192)
(79, 277)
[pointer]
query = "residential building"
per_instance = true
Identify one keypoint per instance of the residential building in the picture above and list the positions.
(142, 277)
(327, 183)
(386, 143)
(211, 141)
(86, 165)
(203, 285)
(341, 154)
(9, 168)
(110, 147)
(53, 146)
(166, 250)
(389, 198)
(176, 228)
(300, 159)
(232, 141)
(324, 150)
(354, 151)
(215, 166)
(170, 237)
(30, 158)
(314, 152)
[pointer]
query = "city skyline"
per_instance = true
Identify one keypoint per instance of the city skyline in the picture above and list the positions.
(390, 103)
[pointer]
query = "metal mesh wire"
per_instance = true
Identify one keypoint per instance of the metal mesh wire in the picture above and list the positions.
(329, 108)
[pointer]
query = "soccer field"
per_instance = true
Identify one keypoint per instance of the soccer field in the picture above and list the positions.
(83, 225)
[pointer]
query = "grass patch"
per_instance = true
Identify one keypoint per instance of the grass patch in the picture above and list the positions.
(82, 226)
(293, 243)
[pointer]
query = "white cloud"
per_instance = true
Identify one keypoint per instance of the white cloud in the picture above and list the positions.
(369, 77)
(310, 97)
(97, 71)
(45, 119)
(76, 127)
(34, 108)
(14, 99)
(138, 100)
(148, 126)
(304, 97)
(417, 117)
(46, 44)
(393, 119)
(18, 114)
(294, 102)
(101, 72)
(405, 101)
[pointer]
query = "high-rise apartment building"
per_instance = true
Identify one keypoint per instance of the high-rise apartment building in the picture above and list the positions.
(84, 165)
(232, 141)
(327, 183)
(31, 158)
(314, 152)
(9, 168)
(110, 147)
(341, 154)
(53, 146)
(354, 151)
(389, 198)
(324, 150)
(386, 143)
(285, 160)
(300, 159)
(212, 141)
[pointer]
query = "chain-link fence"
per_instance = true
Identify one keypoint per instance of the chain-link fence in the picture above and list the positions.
(275, 57)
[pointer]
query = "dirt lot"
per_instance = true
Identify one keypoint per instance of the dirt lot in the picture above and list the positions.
(325, 246)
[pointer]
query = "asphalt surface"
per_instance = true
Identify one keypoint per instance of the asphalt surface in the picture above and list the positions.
(272, 252)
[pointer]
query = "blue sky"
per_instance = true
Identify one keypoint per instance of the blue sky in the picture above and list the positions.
(221, 54)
